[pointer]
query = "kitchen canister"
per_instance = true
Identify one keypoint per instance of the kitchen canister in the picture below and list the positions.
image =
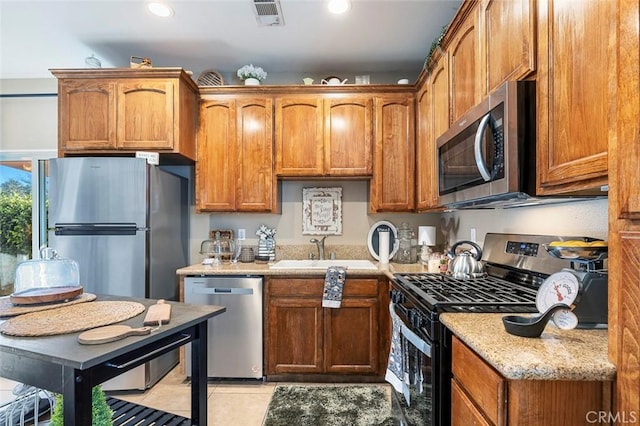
(246, 255)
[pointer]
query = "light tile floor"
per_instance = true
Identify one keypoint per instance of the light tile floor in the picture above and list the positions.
(236, 404)
(228, 404)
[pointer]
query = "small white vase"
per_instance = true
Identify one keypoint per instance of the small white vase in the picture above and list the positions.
(251, 82)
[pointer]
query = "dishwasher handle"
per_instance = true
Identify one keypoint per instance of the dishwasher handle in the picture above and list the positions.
(222, 291)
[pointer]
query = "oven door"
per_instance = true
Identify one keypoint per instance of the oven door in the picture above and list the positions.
(411, 369)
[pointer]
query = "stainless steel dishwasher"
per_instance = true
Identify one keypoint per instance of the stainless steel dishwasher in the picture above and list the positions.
(235, 337)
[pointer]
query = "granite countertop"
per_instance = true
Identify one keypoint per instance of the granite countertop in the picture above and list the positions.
(555, 355)
(263, 269)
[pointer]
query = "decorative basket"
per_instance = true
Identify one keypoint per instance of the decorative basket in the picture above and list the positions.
(140, 62)
(210, 78)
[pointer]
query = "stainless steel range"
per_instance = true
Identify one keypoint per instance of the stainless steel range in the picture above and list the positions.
(516, 265)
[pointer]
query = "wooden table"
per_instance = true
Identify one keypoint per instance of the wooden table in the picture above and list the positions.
(60, 364)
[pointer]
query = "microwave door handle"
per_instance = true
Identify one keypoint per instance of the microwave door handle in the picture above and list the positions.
(477, 148)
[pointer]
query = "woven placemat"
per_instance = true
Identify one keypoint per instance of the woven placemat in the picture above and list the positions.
(70, 319)
(8, 309)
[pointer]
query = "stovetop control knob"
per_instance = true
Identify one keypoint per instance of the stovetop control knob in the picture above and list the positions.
(397, 297)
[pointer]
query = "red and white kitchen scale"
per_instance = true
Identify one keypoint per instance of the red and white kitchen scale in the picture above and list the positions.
(583, 288)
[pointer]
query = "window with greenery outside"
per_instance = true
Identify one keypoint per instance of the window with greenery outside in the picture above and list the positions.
(15, 227)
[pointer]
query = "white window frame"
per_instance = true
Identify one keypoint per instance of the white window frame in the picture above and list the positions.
(38, 221)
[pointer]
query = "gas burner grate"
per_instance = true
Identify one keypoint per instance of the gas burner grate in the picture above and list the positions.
(442, 292)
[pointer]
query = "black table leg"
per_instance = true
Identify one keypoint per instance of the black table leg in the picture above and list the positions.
(199, 376)
(77, 397)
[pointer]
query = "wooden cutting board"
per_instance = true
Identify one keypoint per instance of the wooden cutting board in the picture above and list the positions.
(158, 314)
(110, 333)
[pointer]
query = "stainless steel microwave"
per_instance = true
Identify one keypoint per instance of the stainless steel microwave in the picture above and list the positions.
(488, 157)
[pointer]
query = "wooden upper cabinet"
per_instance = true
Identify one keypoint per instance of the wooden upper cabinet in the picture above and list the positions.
(256, 181)
(94, 101)
(216, 165)
(507, 41)
(121, 111)
(438, 85)
(235, 156)
(464, 65)
(348, 136)
(576, 97)
(299, 136)
(323, 136)
(625, 149)
(426, 165)
(145, 114)
(393, 183)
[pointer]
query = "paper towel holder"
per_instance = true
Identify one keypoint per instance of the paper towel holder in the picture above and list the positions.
(372, 239)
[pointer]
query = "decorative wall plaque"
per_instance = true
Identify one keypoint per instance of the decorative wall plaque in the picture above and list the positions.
(322, 211)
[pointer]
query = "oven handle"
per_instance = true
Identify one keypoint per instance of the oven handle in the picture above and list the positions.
(412, 337)
(477, 148)
(416, 341)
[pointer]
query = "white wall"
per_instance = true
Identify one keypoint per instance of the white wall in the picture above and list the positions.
(585, 218)
(356, 221)
(28, 123)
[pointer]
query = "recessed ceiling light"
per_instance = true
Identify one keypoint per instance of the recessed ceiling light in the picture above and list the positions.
(339, 6)
(160, 9)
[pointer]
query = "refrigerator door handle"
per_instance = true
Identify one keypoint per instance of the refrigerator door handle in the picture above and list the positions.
(95, 229)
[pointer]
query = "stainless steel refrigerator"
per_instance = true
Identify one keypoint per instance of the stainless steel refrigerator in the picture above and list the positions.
(126, 224)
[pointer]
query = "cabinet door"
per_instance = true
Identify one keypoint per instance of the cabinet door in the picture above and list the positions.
(348, 136)
(298, 137)
(351, 336)
(87, 114)
(575, 95)
(145, 114)
(464, 62)
(626, 147)
(624, 305)
(485, 387)
(294, 335)
(216, 165)
(508, 41)
(255, 179)
(440, 102)
(426, 154)
(393, 183)
(463, 410)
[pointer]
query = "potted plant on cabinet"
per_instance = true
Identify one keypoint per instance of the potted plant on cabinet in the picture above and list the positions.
(251, 75)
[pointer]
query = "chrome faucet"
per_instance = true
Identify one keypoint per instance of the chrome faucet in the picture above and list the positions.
(320, 245)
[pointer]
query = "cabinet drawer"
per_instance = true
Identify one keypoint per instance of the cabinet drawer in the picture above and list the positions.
(483, 384)
(294, 287)
(360, 287)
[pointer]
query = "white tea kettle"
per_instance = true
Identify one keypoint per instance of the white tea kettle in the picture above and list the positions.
(466, 265)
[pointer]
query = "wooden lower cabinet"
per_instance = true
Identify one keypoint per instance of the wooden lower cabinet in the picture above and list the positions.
(302, 337)
(481, 396)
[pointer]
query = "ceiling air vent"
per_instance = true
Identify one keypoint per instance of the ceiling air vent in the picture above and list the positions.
(268, 13)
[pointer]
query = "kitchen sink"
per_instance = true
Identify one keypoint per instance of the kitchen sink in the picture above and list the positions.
(323, 264)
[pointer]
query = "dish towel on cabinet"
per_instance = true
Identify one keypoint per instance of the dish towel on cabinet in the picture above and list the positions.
(333, 286)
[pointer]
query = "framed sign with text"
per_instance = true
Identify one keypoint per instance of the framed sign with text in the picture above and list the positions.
(322, 211)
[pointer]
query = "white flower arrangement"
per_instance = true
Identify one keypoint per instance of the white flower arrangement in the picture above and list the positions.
(264, 232)
(249, 71)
